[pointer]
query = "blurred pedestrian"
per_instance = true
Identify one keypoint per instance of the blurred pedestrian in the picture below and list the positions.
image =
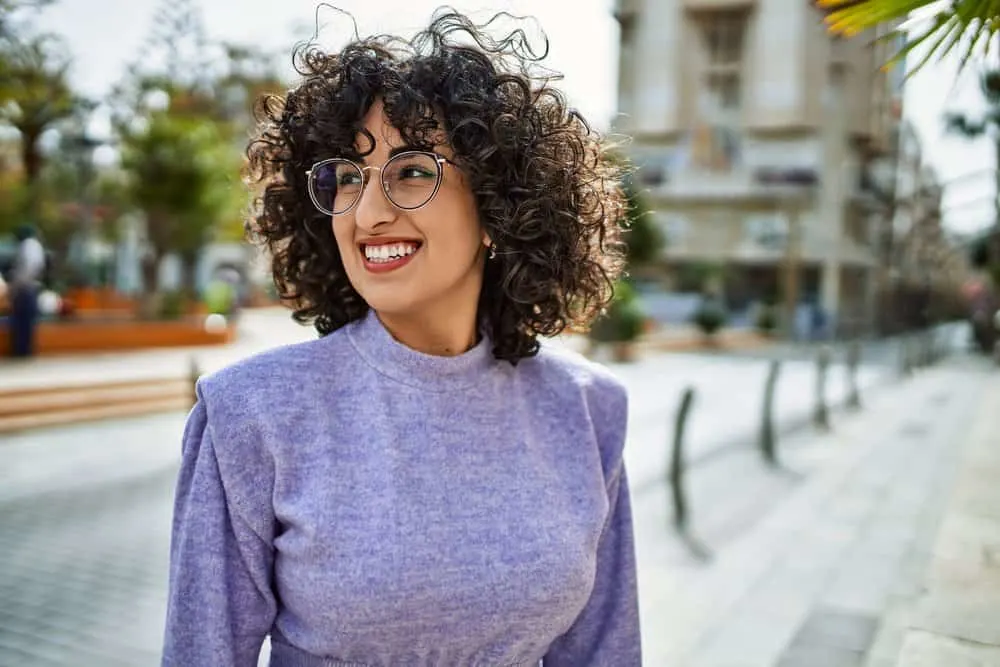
(425, 484)
(25, 285)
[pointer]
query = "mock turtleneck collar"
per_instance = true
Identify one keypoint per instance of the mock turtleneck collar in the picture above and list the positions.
(394, 359)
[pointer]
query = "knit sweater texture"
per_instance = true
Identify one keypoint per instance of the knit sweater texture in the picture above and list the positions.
(366, 504)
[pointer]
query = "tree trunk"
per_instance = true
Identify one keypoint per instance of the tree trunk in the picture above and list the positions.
(31, 160)
(31, 157)
(149, 304)
(189, 274)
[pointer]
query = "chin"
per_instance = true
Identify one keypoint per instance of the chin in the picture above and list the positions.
(389, 302)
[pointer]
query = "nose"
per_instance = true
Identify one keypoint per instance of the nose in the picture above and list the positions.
(373, 208)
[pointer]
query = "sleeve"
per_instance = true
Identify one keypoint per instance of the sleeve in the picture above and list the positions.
(220, 604)
(606, 634)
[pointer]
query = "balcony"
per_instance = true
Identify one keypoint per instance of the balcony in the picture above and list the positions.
(716, 5)
(761, 187)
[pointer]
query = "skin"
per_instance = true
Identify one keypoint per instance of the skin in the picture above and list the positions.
(430, 304)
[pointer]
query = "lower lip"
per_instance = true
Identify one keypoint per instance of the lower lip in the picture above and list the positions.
(385, 267)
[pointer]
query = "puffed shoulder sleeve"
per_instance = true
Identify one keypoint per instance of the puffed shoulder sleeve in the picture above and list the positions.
(220, 604)
(607, 631)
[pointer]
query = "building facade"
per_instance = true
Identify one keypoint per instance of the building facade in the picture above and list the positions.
(764, 145)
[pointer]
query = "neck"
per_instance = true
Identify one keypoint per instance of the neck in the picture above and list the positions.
(444, 336)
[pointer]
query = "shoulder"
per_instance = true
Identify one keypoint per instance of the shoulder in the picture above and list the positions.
(285, 375)
(558, 366)
(567, 377)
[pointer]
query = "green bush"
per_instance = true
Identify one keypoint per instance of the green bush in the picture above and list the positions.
(624, 320)
(767, 318)
(710, 317)
(220, 297)
(172, 306)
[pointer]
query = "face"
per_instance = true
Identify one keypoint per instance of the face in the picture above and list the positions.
(411, 262)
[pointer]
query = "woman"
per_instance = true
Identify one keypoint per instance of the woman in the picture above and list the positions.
(424, 484)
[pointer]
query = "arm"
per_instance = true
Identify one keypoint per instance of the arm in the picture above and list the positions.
(220, 605)
(606, 634)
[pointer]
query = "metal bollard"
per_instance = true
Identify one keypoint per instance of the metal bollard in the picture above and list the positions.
(853, 361)
(821, 415)
(768, 437)
(676, 475)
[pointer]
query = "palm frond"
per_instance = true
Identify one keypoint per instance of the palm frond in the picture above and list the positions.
(963, 125)
(966, 26)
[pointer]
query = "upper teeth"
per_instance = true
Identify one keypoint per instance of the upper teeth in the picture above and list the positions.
(389, 250)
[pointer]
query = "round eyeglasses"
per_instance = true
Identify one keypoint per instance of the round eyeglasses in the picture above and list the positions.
(409, 180)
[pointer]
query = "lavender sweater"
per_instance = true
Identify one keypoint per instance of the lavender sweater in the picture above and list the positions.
(369, 505)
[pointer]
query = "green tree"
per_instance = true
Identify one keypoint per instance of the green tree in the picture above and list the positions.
(178, 178)
(183, 123)
(35, 96)
(10, 12)
(986, 124)
(965, 25)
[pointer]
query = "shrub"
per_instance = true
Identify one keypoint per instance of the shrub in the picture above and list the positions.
(172, 306)
(624, 320)
(767, 318)
(709, 317)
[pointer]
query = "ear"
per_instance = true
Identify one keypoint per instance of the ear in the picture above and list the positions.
(487, 241)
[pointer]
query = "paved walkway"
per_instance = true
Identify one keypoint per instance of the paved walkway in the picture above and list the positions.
(955, 621)
(816, 562)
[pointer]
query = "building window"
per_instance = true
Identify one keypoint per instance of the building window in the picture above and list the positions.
(675, 228)
(766, 231)
(626, 64)
(722, 57)
(716, 133)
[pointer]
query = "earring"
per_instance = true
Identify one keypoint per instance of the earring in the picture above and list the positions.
(493, 251)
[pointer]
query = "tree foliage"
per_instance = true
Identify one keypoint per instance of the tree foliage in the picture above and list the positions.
(959, 26)
(182, 114)
(643, 239)
(986, 124)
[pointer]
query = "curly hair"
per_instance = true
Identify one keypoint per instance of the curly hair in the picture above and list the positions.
(547, 189)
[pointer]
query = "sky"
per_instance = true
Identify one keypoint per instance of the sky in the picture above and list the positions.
(103, 35)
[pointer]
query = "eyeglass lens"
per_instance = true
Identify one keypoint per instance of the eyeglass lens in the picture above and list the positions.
(409, 180)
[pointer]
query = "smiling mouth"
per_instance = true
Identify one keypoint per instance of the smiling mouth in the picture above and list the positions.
(389, 252)
(383, 257)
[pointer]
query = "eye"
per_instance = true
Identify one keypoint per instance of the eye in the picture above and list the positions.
(416, 171)
(348, 178)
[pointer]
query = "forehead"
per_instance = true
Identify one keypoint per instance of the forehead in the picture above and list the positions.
(376, 123)
(386, 136)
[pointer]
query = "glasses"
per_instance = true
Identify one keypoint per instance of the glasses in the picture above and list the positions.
(409, 180)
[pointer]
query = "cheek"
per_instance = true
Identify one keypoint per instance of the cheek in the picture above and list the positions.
(458, 227)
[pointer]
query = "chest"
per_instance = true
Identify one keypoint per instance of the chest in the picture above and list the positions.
(409, 515)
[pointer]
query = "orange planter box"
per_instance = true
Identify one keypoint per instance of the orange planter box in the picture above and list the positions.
(91, 336)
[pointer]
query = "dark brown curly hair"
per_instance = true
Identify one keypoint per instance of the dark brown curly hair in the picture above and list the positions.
(547, 190)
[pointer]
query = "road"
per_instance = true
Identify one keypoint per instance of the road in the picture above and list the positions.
(85, 510)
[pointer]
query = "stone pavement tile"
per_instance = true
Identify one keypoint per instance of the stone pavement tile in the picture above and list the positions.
(976, 495)
(839, 629)
(820, 656)
(921, 649)
(960, 613)
(967, 554)
(862, 585)
(746, 641)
